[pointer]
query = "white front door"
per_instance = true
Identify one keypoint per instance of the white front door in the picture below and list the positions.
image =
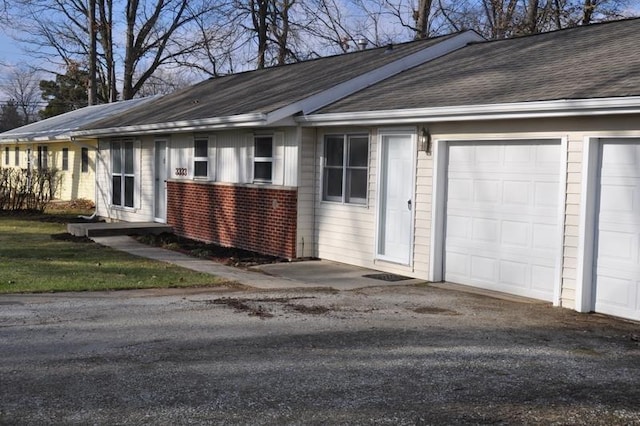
(395, 208)
(160, 182)
(503, 216)
(617, 267)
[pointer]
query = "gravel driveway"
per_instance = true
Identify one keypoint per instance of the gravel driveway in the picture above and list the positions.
(396, 355)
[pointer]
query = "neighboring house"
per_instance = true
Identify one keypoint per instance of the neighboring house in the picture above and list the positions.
(509, 165)
(48, 144)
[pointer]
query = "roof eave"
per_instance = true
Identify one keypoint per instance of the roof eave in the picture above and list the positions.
(538, 109)
(245, 120)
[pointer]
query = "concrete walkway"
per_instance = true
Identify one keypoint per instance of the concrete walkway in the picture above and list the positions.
(306, 274)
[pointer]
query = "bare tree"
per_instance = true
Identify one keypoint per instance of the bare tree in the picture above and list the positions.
(24, 90)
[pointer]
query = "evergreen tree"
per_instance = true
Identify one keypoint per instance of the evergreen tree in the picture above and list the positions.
(10, 117)
(67, 93)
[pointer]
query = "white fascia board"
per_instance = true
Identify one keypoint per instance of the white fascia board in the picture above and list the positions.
(541, 109)
(339, 91)
(229, 122)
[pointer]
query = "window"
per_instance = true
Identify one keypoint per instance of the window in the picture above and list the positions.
(84, 154)
(263, 159)
(6, 155)
(345, 168)
(122, 174)
(201, 157)
(16, 159)
(65, 158)
(43, 155)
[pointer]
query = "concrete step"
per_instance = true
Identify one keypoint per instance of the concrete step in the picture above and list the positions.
(101, 229)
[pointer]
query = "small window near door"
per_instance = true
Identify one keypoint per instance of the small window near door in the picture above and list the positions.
(263, 159)
(65, 158)
(84, 154)
(16, 160)
(201, 157)
(346, 159)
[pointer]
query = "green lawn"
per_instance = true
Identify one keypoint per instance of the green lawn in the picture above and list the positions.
(32, 261)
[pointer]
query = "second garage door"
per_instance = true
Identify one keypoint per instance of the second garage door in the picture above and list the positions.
(502, 216)
(618, 230)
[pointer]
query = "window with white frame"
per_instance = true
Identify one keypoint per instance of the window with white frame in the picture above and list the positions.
(6, 155)
(122, 173)
(263, 158)
(201, 157)
(16, 159)
(346, 159)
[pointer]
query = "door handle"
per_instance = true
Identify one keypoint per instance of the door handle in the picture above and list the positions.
(409, 204)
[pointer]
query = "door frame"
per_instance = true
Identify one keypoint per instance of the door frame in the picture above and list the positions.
(401, 131)
(585, 300)
(439, 202)
(155, 167)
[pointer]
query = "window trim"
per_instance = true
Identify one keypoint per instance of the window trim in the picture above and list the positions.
(269, 160)
(344, 198)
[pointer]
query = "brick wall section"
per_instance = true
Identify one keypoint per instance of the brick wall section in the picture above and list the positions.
(250, 217)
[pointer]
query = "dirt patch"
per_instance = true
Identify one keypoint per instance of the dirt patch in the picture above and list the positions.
(257, 307)
(434, 311)
(241, 305)
(229, 256)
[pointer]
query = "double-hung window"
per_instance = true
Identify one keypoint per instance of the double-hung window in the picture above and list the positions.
(16, 158)
(122, 173)
(65, 158)
(263, 159)
(346, 159)
(201, 157)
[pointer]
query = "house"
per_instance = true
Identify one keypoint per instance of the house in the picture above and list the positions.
(223, 161)
(507, 165)
(527, 168)
(48, 144)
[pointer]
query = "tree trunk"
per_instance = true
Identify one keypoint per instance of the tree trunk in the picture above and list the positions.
(422, 19)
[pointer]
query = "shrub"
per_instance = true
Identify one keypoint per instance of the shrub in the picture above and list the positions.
(27, 190)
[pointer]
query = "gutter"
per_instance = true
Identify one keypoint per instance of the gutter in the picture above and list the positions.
(537, 109)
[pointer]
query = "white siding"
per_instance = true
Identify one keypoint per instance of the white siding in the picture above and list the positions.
(143, 167)
(305, 241)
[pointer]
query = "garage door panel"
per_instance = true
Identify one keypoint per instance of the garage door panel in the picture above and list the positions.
(502, 223)
(618, 230)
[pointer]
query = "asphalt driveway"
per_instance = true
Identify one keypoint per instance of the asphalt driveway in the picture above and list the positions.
(387, 355)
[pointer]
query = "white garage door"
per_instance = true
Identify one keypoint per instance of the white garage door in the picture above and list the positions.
(502, 216)
(618, 231)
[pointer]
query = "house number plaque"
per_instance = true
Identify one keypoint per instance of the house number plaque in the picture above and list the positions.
(181, 171)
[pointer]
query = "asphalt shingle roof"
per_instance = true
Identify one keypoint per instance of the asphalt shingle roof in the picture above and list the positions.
(262, 91)
(61, 126)
(597, 61)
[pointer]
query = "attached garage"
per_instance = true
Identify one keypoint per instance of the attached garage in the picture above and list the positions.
(617, 229)
(502, 216)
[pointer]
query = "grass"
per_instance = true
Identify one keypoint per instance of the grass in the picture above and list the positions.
(32, 261)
